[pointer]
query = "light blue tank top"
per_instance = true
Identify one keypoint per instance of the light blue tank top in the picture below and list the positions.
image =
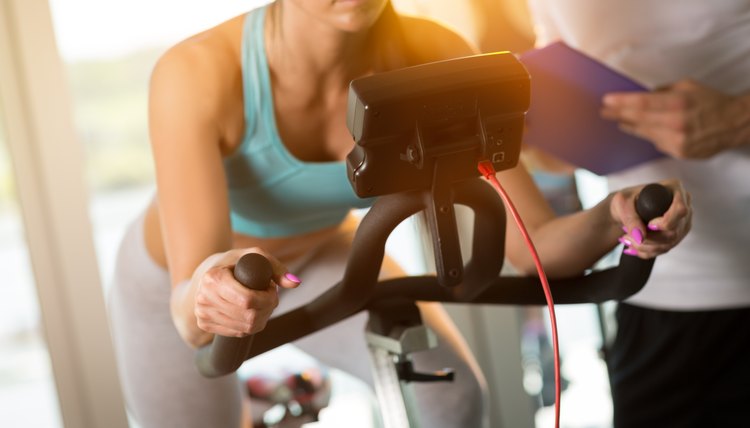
(272, 193)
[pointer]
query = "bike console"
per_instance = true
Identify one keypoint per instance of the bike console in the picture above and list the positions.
(462, 110)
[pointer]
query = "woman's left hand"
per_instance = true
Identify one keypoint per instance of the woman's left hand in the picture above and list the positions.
(686, 120)
(661, 234)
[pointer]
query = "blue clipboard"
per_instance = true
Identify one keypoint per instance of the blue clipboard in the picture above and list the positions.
(563, 119)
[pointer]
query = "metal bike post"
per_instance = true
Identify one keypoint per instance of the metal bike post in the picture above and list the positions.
(393, 333)
(395, 398)
(395, 395)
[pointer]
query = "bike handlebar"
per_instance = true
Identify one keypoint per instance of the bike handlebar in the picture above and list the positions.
(226, 354)
(360, 289)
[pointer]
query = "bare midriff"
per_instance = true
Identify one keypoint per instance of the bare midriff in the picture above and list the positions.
(285, 249)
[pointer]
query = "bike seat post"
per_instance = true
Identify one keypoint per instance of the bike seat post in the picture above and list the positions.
(394, 331)
(392, 334)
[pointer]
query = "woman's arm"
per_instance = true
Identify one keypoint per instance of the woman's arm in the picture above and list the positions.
(187, 109)
(568, 245)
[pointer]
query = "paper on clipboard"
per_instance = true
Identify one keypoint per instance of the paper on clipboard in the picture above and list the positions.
(566, 91)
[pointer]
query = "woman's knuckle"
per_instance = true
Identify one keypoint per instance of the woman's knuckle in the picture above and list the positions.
(201, 298)
(201, 313)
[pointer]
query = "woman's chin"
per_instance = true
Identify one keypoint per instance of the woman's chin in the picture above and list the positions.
(357, 15)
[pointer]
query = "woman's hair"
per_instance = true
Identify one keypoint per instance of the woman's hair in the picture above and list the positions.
(390, 44)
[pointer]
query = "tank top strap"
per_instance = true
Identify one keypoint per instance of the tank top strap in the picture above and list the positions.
(254, 67)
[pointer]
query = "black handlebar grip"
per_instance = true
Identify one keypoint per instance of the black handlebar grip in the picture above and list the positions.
(226, 354)
(653, 201)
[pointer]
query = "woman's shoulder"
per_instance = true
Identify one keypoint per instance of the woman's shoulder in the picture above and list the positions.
(199, 75)
(434, 40)
(211, 49)
(204, 58)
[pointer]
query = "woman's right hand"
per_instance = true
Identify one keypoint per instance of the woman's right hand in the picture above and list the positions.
(224, 306)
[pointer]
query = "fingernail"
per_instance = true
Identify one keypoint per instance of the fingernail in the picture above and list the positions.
(624, 241)
(637, 235)
(653, 226)
(291, 277)
(625, 229)
(630, 251)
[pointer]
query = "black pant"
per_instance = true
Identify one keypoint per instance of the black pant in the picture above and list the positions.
(680, 369)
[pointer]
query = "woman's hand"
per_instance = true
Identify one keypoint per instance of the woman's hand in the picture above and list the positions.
(685, 120)
(224, 306)
(661, 233)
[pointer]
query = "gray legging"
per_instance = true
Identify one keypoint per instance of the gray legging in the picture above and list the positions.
(163, 389)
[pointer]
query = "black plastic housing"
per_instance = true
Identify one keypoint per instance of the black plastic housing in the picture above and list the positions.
(463, 109)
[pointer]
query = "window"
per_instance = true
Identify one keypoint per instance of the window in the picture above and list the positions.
(108, 75)
(27, 388)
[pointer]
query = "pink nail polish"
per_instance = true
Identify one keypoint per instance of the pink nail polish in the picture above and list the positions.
(637, 235)
(653, 226)
(624, 241)
(630, 251)
(625, 229)
(291, 277)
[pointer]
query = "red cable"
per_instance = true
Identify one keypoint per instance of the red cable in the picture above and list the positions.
(488, 171)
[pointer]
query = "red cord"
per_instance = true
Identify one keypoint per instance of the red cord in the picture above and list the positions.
(488, 171)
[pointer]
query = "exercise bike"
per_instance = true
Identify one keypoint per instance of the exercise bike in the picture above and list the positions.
(419, 134)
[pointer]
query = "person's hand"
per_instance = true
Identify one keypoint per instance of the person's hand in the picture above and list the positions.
(225, 307)
(661, 233)
(686, 120)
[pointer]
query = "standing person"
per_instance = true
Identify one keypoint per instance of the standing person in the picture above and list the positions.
(247, 125)
(680, 355)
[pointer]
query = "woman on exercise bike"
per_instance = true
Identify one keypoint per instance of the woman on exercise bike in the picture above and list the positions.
(248, 131)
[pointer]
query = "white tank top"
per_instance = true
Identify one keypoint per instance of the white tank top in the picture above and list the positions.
(658, 43)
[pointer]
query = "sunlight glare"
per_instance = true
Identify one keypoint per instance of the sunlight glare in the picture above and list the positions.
(90, 29)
